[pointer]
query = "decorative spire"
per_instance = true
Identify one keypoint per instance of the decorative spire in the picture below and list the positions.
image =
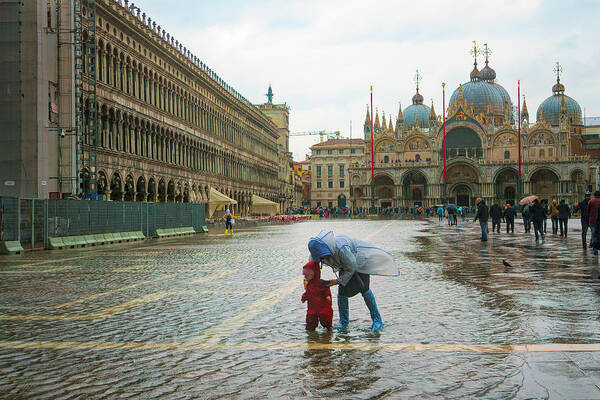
(368, 118)
(475, 51)
(540, 116)
(558, 88)
(400, 117)
(269, 94)
(524, 112)
(418, 77)
(376, 125)
(417, 98)
(383, 121)
(486, 51)
(391, 126)
(432, 116)
(460, 94)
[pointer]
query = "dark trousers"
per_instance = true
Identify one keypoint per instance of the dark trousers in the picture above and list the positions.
(496, 225)
(538, 227)
(483, 225)
(545, 223)
(564, 224)
(510, 225)
(584, 228)
(527, 224)
(554, 225)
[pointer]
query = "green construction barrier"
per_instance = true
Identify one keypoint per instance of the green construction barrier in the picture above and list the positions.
(90, 240)
(69, 241)
(170, 232)
(80, 241)
(204, 228)
(107, 238)
(11, 247)
(139, 235)
(99, 238)
(55, 243)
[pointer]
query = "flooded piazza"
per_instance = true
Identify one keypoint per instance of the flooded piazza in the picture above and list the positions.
(210, 316)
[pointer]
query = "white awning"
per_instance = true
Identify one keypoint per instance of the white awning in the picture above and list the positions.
(217, 200)
(261, 205)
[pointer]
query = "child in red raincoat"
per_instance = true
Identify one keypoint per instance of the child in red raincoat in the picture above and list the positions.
(318, 296)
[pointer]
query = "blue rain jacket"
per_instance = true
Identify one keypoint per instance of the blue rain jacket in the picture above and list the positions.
(352, 255)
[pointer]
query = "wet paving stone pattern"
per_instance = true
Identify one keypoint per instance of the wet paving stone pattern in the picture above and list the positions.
(210, 316)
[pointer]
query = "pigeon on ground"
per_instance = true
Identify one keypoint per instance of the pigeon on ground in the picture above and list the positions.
(506, 264)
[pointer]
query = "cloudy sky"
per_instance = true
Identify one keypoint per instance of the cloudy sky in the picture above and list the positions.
(321, 56)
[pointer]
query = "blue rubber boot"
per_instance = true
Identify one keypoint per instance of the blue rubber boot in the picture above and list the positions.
(344, 311)
(372, 305)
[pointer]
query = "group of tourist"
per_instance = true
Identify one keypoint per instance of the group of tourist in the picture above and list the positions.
(536, 213)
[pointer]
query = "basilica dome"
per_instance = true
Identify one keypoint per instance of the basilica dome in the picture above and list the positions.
(417, 113)
(550, 108)
(482, 90)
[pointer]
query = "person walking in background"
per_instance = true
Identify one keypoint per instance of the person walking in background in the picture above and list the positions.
(554, 217)
(538, 214)
(582, 208)
(564, 213)
(496, 215)
(526, 214)
(593, 208)
(544, 203)
(440, 213)
(509, 218)
(482, 215)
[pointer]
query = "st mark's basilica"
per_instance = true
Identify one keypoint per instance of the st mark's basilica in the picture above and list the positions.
(481, 149)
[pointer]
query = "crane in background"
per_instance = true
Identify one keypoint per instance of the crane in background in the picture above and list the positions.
(323, 134)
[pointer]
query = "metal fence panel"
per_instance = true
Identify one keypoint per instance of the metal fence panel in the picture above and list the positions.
(32, 221)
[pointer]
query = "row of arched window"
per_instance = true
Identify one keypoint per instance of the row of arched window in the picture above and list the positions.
(122, 72)
(124, 132)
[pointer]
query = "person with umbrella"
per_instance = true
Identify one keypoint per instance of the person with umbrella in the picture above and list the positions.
(526, 211)
(355, 260)
(564, 213)
(482, 215)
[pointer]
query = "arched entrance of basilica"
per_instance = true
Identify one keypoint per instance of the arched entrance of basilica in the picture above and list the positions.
(462, 179)
(461, 195)
(544, 183)
(341, 201)
(505, 186)
(414, 188)
(384, 191)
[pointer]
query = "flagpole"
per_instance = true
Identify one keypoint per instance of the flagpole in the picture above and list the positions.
(444, 139)
(519, 122)
(372, 155)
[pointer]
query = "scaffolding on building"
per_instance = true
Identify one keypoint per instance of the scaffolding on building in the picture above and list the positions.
(86, 120)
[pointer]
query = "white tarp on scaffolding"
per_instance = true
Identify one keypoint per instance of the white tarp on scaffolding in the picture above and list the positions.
(217, 200)
(260, 205)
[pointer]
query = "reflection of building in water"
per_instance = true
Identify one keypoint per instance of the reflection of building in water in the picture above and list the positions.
(481, 149)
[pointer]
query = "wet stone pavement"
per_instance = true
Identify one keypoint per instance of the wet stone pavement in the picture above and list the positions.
(210, 316)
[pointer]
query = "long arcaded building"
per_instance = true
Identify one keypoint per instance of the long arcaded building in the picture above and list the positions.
(98, 99)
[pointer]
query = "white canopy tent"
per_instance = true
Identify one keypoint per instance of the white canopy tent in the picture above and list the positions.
(260, 205)
(217, 200)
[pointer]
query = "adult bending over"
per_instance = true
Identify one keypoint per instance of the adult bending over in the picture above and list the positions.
(356, 261)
